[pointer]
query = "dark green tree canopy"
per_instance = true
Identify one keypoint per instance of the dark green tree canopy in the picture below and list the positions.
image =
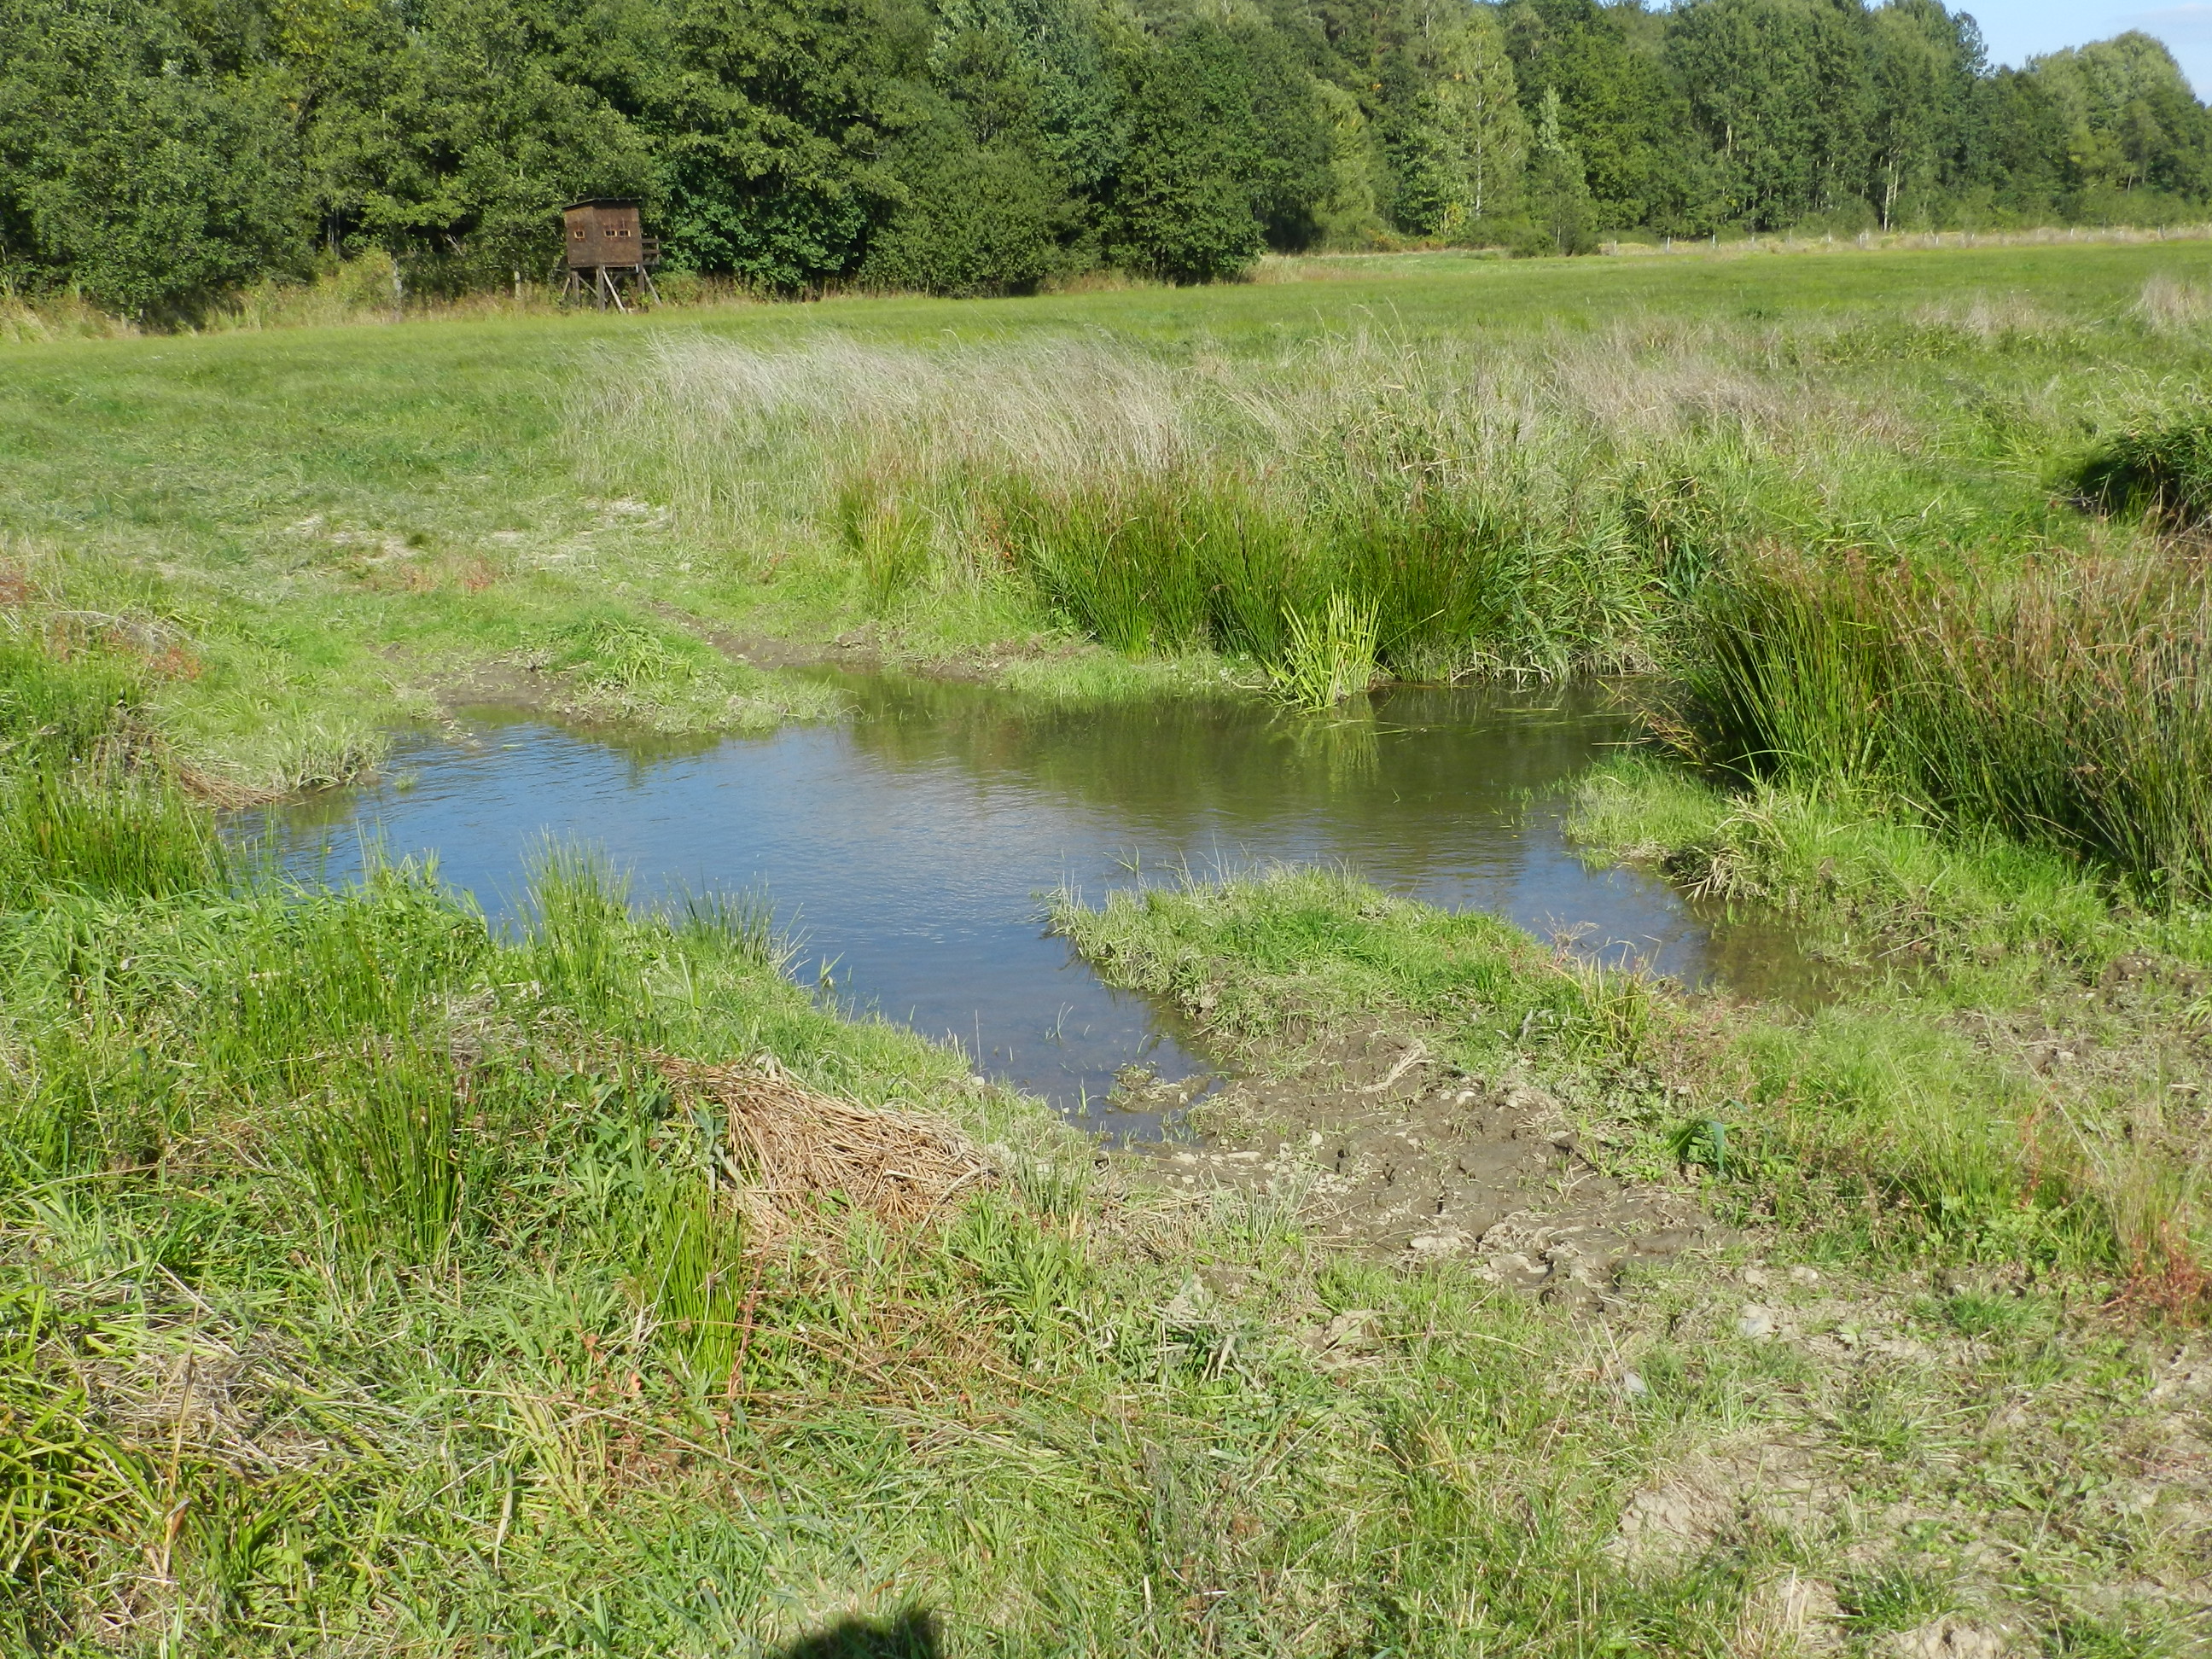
(157, 154)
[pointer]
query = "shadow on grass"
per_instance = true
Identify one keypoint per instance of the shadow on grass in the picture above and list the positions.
(912, 1635)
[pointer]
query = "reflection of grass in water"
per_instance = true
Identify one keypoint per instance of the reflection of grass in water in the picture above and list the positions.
(1345, 747)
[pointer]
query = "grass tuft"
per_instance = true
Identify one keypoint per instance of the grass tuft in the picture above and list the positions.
(2158, 464)
(2062, 705)
(1328, 658)
(382, 1153)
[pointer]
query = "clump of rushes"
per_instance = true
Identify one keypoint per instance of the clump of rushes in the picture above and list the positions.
(1451, 582)
(2064, 704)
(2159, 463)
(382, 1151)
(1145, 563)
(689, 1273)
(889, 536)
(1329, 659)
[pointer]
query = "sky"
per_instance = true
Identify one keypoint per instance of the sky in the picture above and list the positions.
(2017, 30)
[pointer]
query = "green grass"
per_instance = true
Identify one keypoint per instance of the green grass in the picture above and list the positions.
(348, 524)
(365, 1287)
(1877, 886)
(1905, 1125)
(2004, 1008)
(1329, 656)
(2059, 704)
(2152, 466)
(362, 1285)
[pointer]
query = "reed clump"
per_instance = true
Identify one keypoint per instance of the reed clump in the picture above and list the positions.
(1330, 658)
(2157, 464)
(2066, 703)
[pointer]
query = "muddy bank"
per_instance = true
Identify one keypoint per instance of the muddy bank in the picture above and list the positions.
(1385, 1147)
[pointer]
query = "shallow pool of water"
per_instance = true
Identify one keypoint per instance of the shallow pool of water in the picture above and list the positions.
(910, 846)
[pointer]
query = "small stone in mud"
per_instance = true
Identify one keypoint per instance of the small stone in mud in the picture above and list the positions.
(1343, 1343)
(1349, 1329)
(1756, 1324)
(1518, 1269)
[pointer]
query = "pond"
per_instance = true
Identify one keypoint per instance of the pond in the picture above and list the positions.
(909, 848)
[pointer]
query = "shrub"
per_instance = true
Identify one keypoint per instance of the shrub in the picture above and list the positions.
(978, 220)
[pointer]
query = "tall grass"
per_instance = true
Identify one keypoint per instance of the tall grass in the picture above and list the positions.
(1516, 509)
(383, 1153)
(2067, 704)
(1330, 658)
(83, 808)
(689, 1269)
(101, 826)
(2157, 462)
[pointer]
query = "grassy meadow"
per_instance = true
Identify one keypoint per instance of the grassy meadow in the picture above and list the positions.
(1499, 464)
(374, 1280)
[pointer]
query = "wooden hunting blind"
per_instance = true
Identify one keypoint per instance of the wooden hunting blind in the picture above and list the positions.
(607, 247)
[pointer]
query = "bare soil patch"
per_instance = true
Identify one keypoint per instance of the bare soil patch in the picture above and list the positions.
(1386, 1148)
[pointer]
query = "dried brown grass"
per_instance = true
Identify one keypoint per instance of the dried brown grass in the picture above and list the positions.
(2171, 304)
(797, 1146)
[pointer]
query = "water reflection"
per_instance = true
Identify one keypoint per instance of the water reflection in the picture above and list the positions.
(910, 845)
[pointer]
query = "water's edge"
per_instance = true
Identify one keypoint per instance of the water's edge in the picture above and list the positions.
(909, 849)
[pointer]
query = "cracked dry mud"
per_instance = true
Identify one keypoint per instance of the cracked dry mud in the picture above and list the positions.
(1385, 1147)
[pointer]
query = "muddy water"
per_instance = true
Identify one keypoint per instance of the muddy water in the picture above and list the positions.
(910, 846)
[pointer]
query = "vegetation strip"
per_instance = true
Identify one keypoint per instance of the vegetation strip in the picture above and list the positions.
(392, 154)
